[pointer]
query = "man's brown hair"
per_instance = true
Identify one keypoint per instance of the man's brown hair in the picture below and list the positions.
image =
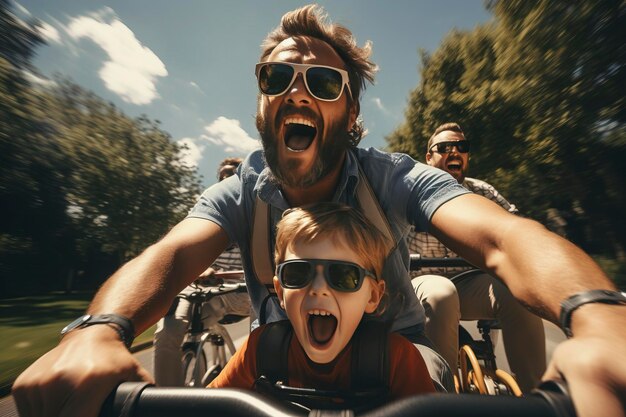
(453, 127)
(311, 21)
(228, 167)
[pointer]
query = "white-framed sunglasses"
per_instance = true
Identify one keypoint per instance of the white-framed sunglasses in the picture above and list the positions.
(322, 82)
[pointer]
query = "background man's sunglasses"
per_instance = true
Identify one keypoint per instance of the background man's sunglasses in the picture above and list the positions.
(340, 275)
(463, 146)
(322, 82)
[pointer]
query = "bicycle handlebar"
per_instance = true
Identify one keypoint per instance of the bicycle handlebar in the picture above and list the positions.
(206, 293)
(417, 262)
(137, 400)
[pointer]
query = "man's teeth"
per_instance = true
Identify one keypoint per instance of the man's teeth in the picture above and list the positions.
(319, 313)
(300, 121)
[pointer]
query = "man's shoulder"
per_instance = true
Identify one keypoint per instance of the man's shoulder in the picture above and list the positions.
(370, 155)
(252, 166)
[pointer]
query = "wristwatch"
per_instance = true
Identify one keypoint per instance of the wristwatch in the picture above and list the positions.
(121, 324)
(569, 305)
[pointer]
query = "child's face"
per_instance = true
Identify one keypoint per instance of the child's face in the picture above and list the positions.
(325, 319)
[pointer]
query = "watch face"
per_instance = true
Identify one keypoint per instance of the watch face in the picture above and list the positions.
(76, 323)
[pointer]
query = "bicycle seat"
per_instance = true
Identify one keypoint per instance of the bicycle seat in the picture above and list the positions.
(231, 319)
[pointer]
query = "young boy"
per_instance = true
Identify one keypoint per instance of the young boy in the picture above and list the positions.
(329, 260)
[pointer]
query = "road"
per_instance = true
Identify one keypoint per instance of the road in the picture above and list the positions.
(239, 331)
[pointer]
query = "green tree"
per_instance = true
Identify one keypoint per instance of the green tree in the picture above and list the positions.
(126, 185)
(32, 220)
(539, 93)
(82, 186)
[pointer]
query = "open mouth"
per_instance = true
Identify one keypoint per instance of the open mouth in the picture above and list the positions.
(454, 166)
(322, 326)
(299, 134)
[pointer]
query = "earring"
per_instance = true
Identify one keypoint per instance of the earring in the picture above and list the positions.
(353, 137)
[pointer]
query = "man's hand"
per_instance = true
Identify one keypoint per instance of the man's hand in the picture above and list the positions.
(593, 362)
(75, 378)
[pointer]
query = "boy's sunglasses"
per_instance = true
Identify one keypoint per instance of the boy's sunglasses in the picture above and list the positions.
(446, 147)
(340, 275)
(322, 82)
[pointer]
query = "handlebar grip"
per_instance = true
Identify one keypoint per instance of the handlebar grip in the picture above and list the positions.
(556, 393)
(190, 402)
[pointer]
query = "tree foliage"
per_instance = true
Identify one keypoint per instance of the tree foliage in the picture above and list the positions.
(80, 182)
(539, 92)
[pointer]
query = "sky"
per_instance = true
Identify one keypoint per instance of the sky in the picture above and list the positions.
(190, 63)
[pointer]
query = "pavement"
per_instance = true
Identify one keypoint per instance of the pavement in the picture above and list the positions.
(239, 332)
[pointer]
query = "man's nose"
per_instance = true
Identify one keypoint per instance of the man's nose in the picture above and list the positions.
(297, 93)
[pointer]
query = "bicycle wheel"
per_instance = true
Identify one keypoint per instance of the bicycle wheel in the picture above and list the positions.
(194, 367)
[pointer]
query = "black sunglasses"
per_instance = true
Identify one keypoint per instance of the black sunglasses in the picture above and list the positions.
(322, 82)
(463, 146)
(340, 275)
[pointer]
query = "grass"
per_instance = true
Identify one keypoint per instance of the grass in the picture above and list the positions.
(30, 327)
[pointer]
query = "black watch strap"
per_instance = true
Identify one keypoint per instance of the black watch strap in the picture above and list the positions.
(569, 305)
(121, 324)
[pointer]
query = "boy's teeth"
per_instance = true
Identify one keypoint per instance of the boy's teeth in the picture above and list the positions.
(319, 313)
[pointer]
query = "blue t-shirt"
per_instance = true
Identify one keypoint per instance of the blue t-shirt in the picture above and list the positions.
(409, 193)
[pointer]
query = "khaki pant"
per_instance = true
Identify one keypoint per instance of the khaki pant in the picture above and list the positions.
(480, 296)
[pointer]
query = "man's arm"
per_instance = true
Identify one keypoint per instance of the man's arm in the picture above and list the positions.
(542, 269)
(75, 377)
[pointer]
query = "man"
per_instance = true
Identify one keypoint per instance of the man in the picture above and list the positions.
(472, 294)
(307, 113)
(171, 329)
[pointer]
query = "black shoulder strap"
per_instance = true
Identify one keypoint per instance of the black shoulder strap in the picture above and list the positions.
(370, 356)
(271, 353)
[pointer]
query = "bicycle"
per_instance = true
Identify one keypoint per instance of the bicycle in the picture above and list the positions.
(199, 369)
(478, 371)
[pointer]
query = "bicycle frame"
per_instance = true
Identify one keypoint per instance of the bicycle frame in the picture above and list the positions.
(217, 336)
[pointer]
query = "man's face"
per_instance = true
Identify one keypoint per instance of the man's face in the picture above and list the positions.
(325, 319)
(304, 138)
(454, 163)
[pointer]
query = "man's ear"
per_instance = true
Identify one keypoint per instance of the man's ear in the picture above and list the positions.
(279, 292)
(377, 289)
(429, 156)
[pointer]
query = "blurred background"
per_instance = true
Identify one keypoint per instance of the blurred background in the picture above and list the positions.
(113, 119)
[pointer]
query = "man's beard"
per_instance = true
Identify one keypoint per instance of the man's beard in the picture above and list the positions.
(330, 152)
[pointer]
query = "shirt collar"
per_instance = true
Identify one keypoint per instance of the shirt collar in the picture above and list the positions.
(269, 192)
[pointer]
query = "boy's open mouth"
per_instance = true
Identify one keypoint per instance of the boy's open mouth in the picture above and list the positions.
(322, 326)
(299, 133)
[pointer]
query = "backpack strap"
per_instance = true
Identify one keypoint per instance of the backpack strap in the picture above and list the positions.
(272, 350)
(370, 356)
(371, 208)
(260, 244)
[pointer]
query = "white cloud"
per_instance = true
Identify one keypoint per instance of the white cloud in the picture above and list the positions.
(192, 155)
(49, 32)
(132, 69)
(228, 134)
(378, 102)
(22, 9)
(35, 79)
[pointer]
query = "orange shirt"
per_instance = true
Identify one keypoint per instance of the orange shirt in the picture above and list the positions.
(407, 371)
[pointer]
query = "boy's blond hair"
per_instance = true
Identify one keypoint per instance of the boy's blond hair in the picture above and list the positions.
(338, 222)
